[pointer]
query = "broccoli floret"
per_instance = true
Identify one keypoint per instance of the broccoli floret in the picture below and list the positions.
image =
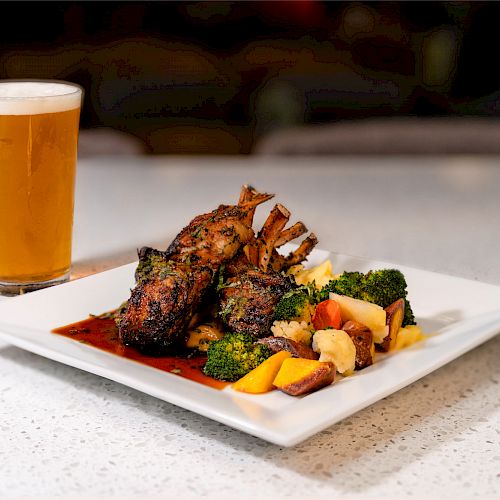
(295, 305)
(385, 287)
(233, 356)
(382, 287)
(350, 284)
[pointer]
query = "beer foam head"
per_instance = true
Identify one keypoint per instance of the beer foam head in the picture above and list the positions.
(34, 98)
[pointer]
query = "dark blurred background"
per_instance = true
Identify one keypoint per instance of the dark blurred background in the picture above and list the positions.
(219, 77)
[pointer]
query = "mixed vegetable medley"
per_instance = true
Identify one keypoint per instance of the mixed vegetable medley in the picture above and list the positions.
(326, 324)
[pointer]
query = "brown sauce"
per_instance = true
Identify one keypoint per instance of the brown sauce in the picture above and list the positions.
(103, 334)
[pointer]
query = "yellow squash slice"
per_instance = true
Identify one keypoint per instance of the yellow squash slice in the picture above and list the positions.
(261, 378)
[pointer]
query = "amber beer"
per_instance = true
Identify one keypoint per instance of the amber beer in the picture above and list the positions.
(38, 146)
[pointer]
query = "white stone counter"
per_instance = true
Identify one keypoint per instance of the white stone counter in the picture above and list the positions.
(67, 432)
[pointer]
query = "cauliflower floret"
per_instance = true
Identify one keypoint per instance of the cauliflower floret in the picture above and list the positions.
(321, 274)
(337, 347)
(293, 330)
(408, 336)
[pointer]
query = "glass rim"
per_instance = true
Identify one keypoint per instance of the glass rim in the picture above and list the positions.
(77, 88)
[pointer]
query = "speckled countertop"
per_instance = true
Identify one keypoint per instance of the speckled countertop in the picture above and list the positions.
(67, 432)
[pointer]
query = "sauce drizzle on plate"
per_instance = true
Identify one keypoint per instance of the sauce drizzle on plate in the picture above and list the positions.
(103, 334)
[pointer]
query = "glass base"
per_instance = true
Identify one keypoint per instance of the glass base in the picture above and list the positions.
(12, 289)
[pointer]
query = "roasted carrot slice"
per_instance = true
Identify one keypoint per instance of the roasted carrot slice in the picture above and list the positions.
(327, 315)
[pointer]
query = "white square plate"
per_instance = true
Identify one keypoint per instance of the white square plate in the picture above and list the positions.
(461, 313)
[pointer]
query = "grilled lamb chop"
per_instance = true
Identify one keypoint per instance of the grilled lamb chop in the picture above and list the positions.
(160, 307)
(280, 263)
(254, 287)
(248, 301)
(172, 284)
(214, 238)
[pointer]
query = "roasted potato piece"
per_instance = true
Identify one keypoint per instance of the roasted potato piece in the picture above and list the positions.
(362, 338)
(298, 376)
(202, 334)
(261, 379)
(297, 349)
(395, 315)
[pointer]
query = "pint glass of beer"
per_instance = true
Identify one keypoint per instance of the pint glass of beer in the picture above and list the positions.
(38, 145)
